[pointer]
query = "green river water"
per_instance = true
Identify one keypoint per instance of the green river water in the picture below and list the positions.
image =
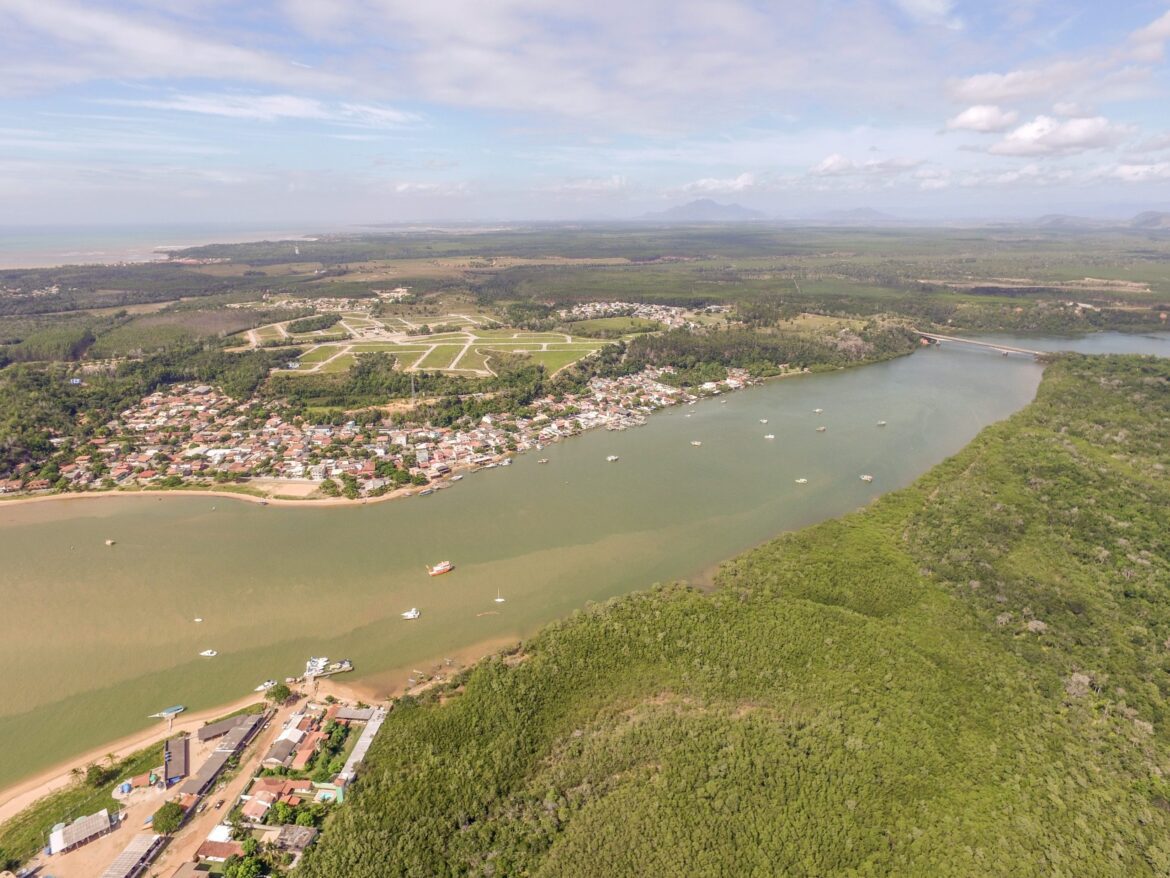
(95, 638)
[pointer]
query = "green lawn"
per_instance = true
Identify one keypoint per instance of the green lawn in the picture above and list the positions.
(441, 357)
(622, 324)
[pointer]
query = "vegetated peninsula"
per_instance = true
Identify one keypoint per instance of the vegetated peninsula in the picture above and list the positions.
(967, 678)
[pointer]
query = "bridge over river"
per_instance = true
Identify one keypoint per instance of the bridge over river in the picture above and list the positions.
(995, 346)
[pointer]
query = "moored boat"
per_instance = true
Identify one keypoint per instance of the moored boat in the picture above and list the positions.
(412, 613)
(209, 653)
(821, 429)
(265, 686)
(696, 442)
(769, 435)
(802, 481)
(440, 568)
(867, 478)
(613, 458)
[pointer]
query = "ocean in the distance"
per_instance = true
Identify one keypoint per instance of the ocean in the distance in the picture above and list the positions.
(40, 246)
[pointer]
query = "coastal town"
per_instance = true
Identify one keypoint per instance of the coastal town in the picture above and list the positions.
(252, 787)
(194, 435)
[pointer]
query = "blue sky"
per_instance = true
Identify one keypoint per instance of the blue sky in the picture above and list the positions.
(332, 112)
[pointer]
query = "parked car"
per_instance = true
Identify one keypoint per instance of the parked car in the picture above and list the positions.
(218, 804)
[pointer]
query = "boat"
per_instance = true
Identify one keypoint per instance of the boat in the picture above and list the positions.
(817, 411)
(499, 597)
(320, 666)
(412, 613)
(109, 542)
(543, 460)
(490, 465)
(821, 429)
(440, 568)
(427, 492)
(209, 653)
(613, 458)
(457, 478)
(763, 420)
(198, 618)
(769, 435)
(265, 686)
(802, 481)
(506, 462)
(881, 423)
(867, 478)
(168, 712)
(263, 502)
(696, 442)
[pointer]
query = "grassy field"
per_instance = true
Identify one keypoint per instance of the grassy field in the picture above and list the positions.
(440, 358)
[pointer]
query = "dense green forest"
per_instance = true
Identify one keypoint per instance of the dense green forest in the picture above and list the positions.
(968, 677)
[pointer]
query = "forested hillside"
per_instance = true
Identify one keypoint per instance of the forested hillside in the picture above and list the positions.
(967, 678)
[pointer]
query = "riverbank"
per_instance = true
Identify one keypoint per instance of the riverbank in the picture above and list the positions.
(21, 795)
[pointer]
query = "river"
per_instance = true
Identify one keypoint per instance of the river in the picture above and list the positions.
(94, 638)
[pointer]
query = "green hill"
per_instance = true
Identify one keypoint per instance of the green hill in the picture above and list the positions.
(967, 678)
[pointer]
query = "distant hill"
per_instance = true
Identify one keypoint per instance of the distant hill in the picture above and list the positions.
(704, 210)
(1151, 219)
(1067, 221)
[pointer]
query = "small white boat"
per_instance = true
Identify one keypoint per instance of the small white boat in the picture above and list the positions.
(506, 462)
(817, 411)
(109, 542)
(769, 435)
(613, 458)
(209, 653)
(821, 429)
(802, 481)
(440, 568)
(457, 478)
(763, 420)
(198, 618)
(881, 423)
(688, 414)
(499, 597)
(265, 686)
(543, 460)
(696, 442)
(412, 613)
(867, 478)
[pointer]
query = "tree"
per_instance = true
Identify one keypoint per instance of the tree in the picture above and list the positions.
(278, 694)
(168, 818)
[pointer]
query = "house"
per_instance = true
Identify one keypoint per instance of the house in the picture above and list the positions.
(218, 851)
(295, 839)
(175, 759)
(67, 837)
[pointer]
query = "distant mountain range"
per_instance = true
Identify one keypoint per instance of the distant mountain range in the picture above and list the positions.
(704, 210)
(1150, 219)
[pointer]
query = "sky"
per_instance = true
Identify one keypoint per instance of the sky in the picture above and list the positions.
(337, 112)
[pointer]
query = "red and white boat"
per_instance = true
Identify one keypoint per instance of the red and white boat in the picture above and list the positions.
(441, 568)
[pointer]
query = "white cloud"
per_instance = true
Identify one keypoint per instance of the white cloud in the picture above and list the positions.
(1142, 173)
(931, 12)
(983, 118)
(837, 165)
(741, 183)
(1046, 135)
(1039, 82)
(1149, 43)
(411, 187)
(270, 108)
(1157, 143)
(593, 185)
(61, 42)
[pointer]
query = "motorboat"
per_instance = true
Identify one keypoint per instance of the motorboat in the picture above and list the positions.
(440, 568)
(613, 458)
(881, 423)
(802, 481)
(696, 442)
(763, 420)
(769, 435)
(209, 653)
(867, 478)
(543, 460)
(499, 597)
(265, 686)
(412, 613)
(817, 411)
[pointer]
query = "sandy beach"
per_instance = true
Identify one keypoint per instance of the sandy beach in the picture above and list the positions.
(19, 796)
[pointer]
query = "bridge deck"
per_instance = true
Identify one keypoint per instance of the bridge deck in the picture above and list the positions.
(983, 344)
